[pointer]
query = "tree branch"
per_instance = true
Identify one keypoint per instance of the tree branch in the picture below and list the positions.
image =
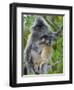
(56, 28)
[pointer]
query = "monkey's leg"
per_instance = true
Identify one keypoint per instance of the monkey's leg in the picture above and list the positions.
(26, 69)
(30, 70)
(28, 59)
(44, 69)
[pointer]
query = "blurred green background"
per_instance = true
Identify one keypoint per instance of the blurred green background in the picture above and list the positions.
(55, 22)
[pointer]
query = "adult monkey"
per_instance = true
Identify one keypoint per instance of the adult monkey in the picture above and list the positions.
(39, 28)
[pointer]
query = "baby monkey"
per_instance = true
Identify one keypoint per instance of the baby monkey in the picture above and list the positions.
(43, 60)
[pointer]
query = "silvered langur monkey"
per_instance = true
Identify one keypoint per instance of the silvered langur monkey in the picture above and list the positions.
(39, 48)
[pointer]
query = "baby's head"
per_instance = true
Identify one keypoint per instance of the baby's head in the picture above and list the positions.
(48, 39)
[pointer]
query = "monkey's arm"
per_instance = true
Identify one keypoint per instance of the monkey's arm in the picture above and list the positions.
(27, 55)
(28, 48)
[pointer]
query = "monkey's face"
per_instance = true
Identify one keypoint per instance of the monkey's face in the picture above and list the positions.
(48, 39)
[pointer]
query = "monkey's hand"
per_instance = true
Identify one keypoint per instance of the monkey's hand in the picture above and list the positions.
(36, 49)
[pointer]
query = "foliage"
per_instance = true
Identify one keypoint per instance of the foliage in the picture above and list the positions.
(55, 22)
(27, 23)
